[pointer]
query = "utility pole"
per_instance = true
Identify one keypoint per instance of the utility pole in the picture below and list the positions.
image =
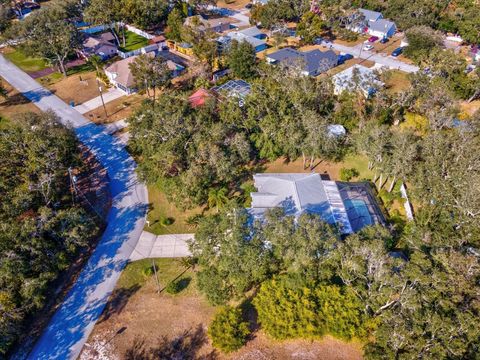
(101, 97)
(156, 276)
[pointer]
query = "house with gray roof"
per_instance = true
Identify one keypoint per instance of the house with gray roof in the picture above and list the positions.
(349, 206)
(311, 63)
(371, 16)
(382, 28)
(298, 193)
(372, 23)
(251, 35)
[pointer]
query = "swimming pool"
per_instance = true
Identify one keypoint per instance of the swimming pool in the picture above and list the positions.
(358, 213)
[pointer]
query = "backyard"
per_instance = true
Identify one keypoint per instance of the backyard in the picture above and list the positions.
(137, 315)
(132, 42)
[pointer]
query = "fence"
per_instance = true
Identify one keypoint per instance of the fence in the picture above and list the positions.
(94, 29)
(139, 32)
(407, 205)
(143, 50)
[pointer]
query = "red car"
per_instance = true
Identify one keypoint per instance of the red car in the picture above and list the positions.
(373, 38)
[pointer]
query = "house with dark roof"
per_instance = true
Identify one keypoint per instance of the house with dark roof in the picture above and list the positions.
(310, 63)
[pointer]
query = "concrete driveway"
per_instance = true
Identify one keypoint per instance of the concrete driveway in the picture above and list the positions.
(109, 95)
(162, 246)
(72, 323)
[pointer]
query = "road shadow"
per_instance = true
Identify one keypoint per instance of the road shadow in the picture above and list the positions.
(187, 346)
(117, 301)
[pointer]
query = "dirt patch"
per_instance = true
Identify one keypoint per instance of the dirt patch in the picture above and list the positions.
(327, 168)
(470, 107)
(15, 103)
(77, 88)
(139, 323)
(118, 109)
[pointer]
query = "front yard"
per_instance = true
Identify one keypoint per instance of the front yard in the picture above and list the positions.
(161, 210)
(15, 103)
(139, 321)
(24, 62)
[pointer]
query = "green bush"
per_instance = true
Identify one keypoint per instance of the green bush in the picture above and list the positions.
(287, 309)
(348, 174)
(228, 331)
(148, 271)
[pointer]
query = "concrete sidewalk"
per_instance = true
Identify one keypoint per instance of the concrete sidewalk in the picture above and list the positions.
(161, 246)
(110, 95)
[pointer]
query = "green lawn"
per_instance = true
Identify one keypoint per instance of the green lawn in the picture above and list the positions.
(133, 42)
(139, 272)
(161, 209)
(24, 62)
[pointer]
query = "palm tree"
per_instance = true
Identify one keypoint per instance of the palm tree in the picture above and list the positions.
(217, 198)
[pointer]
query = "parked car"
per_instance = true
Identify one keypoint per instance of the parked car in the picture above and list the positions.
(368, 47)
(384, 40)
(373, 38)
(344, 57)
(397, 51)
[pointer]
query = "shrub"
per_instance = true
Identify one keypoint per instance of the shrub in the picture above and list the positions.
(228, 331)
(174, 287)
(287, 309)
(148, 271)
(348, 174)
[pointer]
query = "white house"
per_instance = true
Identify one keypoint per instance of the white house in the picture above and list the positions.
(357, 78)
(382, 28)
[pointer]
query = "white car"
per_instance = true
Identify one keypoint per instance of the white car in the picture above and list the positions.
(368, 47)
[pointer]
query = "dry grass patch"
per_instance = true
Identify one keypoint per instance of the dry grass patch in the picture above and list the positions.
(169, 325)
(397, 81)
(77, 88)
(118, 109)
(15, 103)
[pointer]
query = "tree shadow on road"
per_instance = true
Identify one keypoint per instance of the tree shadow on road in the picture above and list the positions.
(187, 346)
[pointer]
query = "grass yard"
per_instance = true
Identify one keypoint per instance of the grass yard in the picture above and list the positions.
(162, 209)
(15, 104)
(397, 81)
(164, 324)
(24, 62)
(132, 42)
(118, 109)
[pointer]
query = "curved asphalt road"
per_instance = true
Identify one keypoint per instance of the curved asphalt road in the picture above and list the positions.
(71, 325)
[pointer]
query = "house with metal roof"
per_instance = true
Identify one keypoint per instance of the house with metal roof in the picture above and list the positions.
(357, 78)
(382, 28)
(371, 16)
(251, 35)
(297, 193)
(310, 63)
(349, 206)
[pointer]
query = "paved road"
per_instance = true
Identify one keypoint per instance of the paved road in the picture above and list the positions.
(384, 60)
(161, 246)
(71, 325)
(110, 95)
